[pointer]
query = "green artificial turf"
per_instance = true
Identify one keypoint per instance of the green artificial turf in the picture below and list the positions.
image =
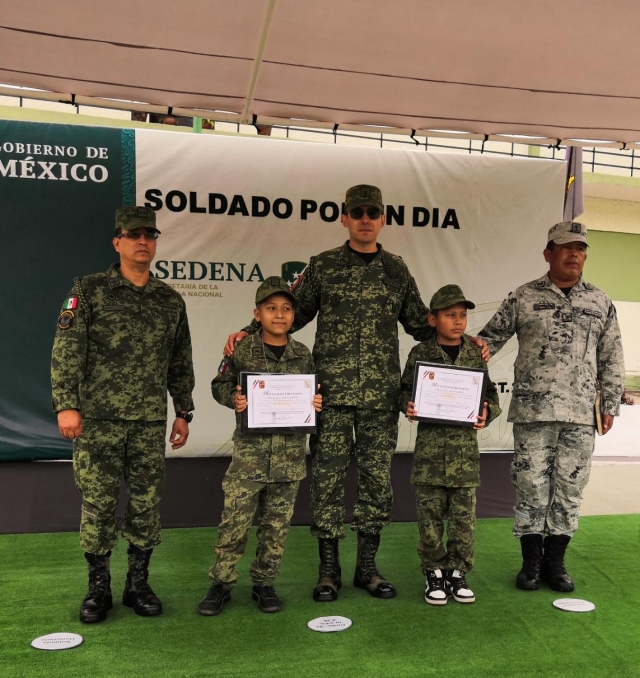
(506, 633)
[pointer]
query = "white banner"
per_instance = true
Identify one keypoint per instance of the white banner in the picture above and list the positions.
(233, 211)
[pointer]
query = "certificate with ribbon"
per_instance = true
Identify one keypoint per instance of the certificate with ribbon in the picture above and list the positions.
(448, 394)
(278, 403)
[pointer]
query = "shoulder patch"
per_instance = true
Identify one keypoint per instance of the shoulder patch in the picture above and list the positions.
(66, 319)
(223, 366)
(70, 303)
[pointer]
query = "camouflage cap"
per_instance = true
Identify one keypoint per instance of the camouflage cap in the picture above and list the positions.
(135, 216)
(363, 194)
(567, 231)
(449, 295)
(273, 285)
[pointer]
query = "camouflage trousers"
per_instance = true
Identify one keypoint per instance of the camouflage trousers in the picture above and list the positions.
(274, 502)
(550, 469)
(106, 451)
(432, 504)
(376, 435)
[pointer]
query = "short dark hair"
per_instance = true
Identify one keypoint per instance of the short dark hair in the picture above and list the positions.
(550, 245)
(119, 231)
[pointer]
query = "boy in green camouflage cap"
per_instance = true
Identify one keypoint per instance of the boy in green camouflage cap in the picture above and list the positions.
(446, 462)
(266, 470)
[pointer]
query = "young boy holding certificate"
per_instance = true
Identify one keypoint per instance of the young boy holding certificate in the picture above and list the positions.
(266, 468)
(446, 463)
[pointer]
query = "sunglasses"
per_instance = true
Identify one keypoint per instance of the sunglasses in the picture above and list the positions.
(358, 213)
(136, 235)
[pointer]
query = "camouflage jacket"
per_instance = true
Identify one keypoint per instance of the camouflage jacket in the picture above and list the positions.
(358, 306)
(263, 458)
(565, 344)
(120, 348)
(446, 456)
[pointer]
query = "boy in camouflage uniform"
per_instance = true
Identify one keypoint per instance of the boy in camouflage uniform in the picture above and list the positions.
(266, 470)
(122, 341)
(568, 338)
(446, 462)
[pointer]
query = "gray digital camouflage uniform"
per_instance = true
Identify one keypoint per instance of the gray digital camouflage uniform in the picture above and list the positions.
(117, 350)
(446, 468)
(566, 343)
(358, 364)
(265, 471)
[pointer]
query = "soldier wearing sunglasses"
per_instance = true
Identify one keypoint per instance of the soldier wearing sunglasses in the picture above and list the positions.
(360, 292)
(122, 341)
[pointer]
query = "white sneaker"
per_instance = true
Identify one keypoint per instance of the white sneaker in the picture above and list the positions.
(458, 588)
(434, 592)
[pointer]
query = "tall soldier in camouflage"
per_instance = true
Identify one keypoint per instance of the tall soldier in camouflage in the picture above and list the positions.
(359, 292)
(122, 341)
(446, 460)
(266, 470)
(568, 339)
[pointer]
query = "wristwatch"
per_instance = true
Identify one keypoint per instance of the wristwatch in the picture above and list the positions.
(187, 416)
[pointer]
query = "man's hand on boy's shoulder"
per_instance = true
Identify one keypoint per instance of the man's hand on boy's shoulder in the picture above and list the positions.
(484, 349)
(233, 339)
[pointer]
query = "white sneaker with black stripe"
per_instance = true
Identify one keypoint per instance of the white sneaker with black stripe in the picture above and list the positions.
(434, 591)
(457, 587)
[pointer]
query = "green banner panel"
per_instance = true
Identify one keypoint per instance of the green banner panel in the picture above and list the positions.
(59, 188)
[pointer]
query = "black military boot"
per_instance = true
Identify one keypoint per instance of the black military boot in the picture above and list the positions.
(137, 593)
(553, 570)
(528, 578)
(98, 599)
(367, 575)
(330, 574)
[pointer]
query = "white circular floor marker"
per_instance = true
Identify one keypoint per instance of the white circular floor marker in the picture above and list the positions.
(57, 641)
(329, 624)
(574, 605)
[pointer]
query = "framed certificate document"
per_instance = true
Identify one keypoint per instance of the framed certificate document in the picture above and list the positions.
(447, 394)
(278, 403)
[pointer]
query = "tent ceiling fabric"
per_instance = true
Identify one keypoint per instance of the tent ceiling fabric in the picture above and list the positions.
(546, 69)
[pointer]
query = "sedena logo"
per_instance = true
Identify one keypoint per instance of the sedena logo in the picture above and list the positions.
(291, 271)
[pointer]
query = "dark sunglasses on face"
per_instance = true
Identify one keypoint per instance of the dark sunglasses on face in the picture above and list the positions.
(136, 235)
(358, 213)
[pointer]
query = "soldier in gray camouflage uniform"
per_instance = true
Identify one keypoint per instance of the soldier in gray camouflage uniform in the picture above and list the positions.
(266, 470)
(122, 341)
(446, 460)
(359, 292)
(568, 339)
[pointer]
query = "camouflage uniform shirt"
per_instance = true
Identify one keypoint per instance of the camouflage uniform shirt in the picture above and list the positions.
(263, 458)
(358, 306)
(446, 456)
(565, 344)
(121, 349)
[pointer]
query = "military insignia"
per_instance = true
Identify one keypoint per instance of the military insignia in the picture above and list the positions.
(567, 317)
(70, 304)
(223, 366)
(292, 272)
(66, 318)
(261, 384)
(543, 306)
(576, 227)
(588, 311)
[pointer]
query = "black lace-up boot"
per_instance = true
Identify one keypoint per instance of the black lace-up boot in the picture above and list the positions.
(137, 592)
(367, 575)
(553, 569)
(528, 578)
(98, 600)
(329, 580)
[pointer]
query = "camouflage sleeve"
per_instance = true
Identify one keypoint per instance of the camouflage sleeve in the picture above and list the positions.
(180, 378)
(492, 400)
(502, 326)
(406, 383)
(610, 361)
(224, 383)
(307, 293)
(69, 356)
(413, 313)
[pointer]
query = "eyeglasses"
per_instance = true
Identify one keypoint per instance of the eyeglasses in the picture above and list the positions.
(358, 212)
(136, 235)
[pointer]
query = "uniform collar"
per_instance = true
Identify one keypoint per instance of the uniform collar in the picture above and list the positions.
(291, 352)
(116, 279)
(436, 351)
(545, 282)
(349, 258)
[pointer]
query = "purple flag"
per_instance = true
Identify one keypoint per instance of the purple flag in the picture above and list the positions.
(573, 190)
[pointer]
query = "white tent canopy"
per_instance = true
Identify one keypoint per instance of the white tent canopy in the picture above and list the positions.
(552, 70)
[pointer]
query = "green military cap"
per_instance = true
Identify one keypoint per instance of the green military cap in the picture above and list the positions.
(135, 216)
(567, 231)
(449, 295)
(363, 194)
(273, 285)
